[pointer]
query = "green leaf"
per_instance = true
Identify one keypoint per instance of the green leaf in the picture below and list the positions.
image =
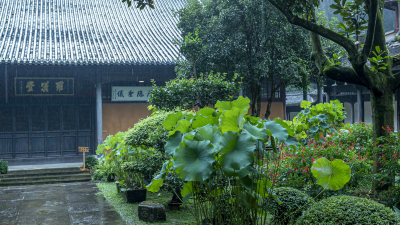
(331, 175)
(277, 130)
(194, 160)
(173, 143)
(211, 133)
(255, 132)
(203, 117)
(155, 185)
(182, 126)
(232, 120)
(240, 103)
(237, 153)
(313, 129)
(187, 189)
(171, 120)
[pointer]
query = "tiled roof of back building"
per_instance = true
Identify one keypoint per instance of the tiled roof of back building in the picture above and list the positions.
(81, 32)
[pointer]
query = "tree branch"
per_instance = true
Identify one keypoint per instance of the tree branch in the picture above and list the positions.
(318, 29)
(372, 18)
(343, 74)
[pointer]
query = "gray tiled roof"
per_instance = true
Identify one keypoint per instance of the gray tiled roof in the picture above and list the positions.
(87, 32)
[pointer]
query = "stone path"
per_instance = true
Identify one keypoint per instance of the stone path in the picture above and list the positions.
(56, 204)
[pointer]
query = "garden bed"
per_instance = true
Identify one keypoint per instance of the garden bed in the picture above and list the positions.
(128, 211)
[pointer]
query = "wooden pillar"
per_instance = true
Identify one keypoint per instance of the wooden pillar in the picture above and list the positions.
(99, 113)
(360, 102)
(6, 83)
(320, 93)
(353, 115)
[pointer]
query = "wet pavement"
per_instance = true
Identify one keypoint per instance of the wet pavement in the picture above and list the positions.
(56, 204)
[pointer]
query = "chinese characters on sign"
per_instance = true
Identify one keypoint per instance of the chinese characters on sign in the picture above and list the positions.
(130, 93)
(31, 86)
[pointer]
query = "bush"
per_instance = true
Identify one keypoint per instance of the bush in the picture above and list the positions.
(293, 203)
(100, 175)
(189, 93)
(3, 167)
(148, 132)
(348, 210)
(91, 162)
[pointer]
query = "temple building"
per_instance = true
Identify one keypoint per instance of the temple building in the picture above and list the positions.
(74, 71)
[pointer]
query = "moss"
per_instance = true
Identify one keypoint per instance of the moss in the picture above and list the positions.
(109, 190)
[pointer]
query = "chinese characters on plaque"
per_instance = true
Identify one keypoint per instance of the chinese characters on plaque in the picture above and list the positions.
(130, 93)
(31, 86)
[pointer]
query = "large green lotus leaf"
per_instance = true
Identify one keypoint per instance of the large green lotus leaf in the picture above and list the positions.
(155, 185)
(240, 103)
(256, 132)
(173, 143)
(277, 130)
(237, 153)
(332, 175)
(194, 160)
(170, 122)
(183, 126)
(203, 117)
(211, 133)
(206, 111)
(187, 189)
(285, 125)
(232, 120)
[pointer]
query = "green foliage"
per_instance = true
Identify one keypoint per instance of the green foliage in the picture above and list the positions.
(149, 132)
(189, 93)
(348, 210)
(91, 162)
(104, 171)
(316, 120)
(213, 151)
(3, 167)
(353, 145)
(100, 175)
(249, 38)
(132, 165)
(292, 203)
(332, 175)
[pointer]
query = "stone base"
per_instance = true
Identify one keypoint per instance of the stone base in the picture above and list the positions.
(151, 211)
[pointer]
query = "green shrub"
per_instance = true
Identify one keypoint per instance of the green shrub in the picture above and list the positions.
(188, 93)
(292, 203)
(91, 162)
(348, 210)
(148, 132)
(99, 175)
(3, 167)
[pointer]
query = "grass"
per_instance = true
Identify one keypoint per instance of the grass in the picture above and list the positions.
(128, 211)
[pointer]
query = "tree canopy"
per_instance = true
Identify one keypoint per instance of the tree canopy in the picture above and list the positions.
(246, 37)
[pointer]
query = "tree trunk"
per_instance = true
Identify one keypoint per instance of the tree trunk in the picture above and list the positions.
(382, 105)
(382, 117)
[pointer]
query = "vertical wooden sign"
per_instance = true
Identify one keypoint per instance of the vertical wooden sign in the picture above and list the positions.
(84, 150)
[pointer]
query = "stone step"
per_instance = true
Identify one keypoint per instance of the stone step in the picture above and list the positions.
(51, 176)
(40, 172)
(46, 180)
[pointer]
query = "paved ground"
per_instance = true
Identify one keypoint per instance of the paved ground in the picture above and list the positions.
(45, 166)
(55, 204)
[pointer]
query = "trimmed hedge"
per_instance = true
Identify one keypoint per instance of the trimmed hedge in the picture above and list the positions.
(149, 132)
(293, 203)
(348, 210)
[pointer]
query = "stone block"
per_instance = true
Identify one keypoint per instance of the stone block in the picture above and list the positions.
(151, 211)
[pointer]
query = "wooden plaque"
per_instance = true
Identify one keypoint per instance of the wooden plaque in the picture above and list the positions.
(83, 149)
